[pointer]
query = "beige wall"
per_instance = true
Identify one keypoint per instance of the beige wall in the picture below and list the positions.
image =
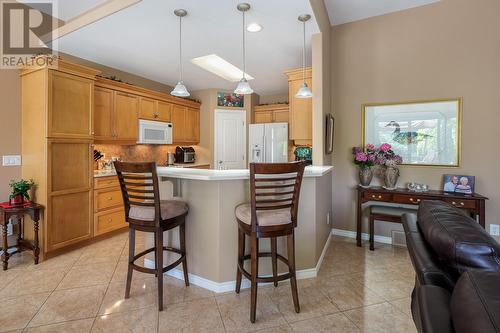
(276, 98)
(10, 127)
(448, 49)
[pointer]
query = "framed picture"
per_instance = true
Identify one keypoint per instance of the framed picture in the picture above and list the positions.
(424, 133)
(230, 99)
(329, 133)
(459, 184)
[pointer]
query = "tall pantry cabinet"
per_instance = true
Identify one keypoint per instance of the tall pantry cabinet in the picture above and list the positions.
(57, 148)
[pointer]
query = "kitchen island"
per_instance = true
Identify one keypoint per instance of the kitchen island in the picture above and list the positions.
(211, 228)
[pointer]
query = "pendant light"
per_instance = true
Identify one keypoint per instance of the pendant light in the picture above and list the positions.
(180, 89)
(243, 87)
(304, 91)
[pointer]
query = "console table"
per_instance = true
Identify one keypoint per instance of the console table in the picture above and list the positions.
(474, 203)
(6, 212)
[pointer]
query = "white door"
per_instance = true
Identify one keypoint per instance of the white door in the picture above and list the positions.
(230, 139)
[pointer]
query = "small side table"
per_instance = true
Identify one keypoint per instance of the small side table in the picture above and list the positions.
(6, 212)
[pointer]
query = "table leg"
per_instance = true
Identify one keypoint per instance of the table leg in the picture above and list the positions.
(482, 213)
(36, 247)
(358, 222)
(5, 254)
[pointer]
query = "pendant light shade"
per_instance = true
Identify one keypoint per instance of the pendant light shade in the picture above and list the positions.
(243, 87)
(304, 91)
(180, 89)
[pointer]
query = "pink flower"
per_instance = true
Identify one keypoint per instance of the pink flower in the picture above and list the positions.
(361, 157)
(370, 146)
(385, 147)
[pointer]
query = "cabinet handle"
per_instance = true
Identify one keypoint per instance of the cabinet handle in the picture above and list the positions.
(110, 198)
(414, 200)
(156, 115)
(376, 196)
(462, 204)
(110, 220)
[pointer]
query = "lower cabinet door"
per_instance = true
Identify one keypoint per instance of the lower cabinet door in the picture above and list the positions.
(68, 219)
(109, 220)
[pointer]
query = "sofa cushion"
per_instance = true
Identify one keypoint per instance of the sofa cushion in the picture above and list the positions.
(169, 209)
(458, 240)
(475, 303)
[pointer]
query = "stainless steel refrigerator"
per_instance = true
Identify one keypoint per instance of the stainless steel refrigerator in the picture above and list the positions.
(268, 143)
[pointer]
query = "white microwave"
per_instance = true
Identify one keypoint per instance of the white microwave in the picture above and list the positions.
(155, 132)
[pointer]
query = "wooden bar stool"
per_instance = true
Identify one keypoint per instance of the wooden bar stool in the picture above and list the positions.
(272, 213)
(387, 214)
(144, 211)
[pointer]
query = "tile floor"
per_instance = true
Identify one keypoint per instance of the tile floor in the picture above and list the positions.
(356, 291)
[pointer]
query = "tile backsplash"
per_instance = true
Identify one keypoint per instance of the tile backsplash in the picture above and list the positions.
(137, 153)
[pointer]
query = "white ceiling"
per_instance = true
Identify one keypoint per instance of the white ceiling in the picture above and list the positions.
(143, 40)
(344, 11)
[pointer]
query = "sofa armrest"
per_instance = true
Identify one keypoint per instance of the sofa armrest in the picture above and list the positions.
(434, 314)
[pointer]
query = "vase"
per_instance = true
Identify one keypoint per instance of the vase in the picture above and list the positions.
(17, 200)
(365, 176)
(391, 177)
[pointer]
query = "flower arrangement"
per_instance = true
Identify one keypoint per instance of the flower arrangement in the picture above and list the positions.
(365, 158)
(385, 156)
(368, 156)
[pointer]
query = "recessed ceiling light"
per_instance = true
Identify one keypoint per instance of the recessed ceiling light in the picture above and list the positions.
(218, 66)
(254, 27)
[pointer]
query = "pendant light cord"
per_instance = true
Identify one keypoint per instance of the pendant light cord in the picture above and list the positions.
(304, 54)
(180, 48)
(244, 60)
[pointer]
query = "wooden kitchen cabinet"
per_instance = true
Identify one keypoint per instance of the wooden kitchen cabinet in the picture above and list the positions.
(57, 123)
(126, 116)
(271, 113)
(300, 116)
(109, 212)
(148, 108)
(192, 125)
(186, 123)
(103, 114)
(164, 111)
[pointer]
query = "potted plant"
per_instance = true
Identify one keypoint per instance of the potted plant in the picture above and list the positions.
(365, 160)
(19, 191)
(389, 162)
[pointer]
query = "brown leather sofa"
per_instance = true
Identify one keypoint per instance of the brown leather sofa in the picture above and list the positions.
(457, 266)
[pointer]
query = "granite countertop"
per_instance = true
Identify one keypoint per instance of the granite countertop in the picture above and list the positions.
(108, 173)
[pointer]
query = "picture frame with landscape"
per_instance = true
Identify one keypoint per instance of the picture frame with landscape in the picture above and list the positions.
(423, 133)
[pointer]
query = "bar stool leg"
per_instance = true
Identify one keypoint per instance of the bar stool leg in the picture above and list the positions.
(274, 256)
(372, 233)
(241, 254)
(159, 266)
(291, 267)
(131, 250)
(182, 237)
(254, 254)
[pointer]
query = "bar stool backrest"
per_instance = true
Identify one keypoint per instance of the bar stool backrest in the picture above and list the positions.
(139, 186)
(275, 186)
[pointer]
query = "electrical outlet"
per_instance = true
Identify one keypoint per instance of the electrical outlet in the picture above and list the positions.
(494, 229)
(11, 160)
(328, 218)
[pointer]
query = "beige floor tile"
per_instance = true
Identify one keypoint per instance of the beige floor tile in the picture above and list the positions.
(15, 313)
(30, 282)
(72, 304)
(62, 262)
(196, 316)
(98, 257)
(143, 293)
(390, 289)
(403, 304)
(347, 294)
(382, 318)
(8, 276)
(120, 274)
(138, 321)
(313, 303)
(89, 275)
(334, 323)
(285, 328)
(235, 312)
(175, 291)
(76, 326)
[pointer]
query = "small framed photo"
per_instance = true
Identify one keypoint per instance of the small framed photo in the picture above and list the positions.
(459, 184)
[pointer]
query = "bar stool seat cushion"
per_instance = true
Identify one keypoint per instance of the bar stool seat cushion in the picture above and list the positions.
(168, 208)
(264, 217)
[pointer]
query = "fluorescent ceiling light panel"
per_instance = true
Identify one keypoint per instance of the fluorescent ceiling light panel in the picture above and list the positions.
(220, 67)
(95, 14)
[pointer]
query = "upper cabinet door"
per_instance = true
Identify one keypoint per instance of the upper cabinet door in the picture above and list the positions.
(262, 117)
(192, 125)
(126, 116)
(103, 114)
(179, 123)
(300, 112)
(280, 116)
(148, 109)
(164, 111)
(70, 106)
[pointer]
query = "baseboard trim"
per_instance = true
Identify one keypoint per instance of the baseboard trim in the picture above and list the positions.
(364, 236)
(222, 287)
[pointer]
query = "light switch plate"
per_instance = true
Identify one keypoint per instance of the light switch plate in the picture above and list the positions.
(11, 160)
(494, 229)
